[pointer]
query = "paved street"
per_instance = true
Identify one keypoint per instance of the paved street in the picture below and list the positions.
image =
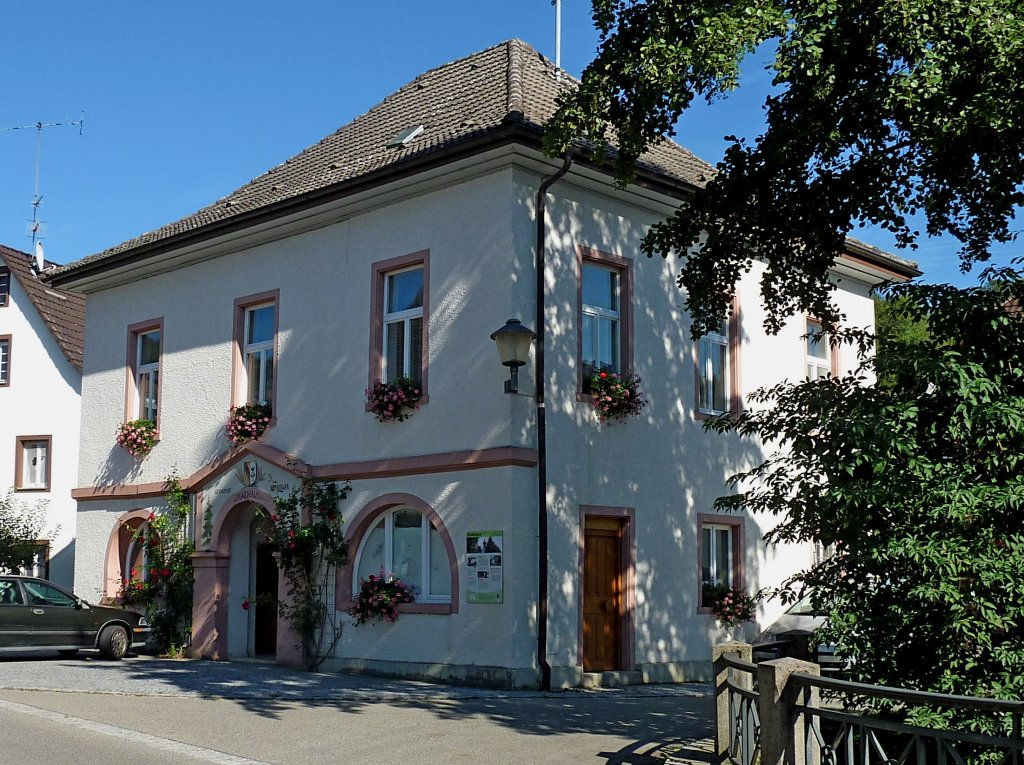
(86, 711)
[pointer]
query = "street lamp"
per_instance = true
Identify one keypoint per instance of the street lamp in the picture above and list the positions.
(513, 341)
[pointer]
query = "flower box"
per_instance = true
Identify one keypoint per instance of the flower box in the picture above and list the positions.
(247, 422)
(138, 437)
(394, 401)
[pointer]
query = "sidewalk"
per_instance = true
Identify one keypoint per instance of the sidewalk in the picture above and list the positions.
(275, 715)
(148, 676)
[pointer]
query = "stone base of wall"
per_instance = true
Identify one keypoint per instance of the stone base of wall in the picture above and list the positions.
(513, 677)
(677, 672)
(456, 674)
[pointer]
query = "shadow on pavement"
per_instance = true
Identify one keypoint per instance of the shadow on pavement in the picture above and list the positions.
(656, 718)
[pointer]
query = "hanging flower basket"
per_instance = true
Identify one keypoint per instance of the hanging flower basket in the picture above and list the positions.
(616, 397)
(394, 401)
(247, 422)
(137, 437)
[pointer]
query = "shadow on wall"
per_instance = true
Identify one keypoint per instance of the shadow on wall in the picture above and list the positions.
(664, 452)
(62, 565)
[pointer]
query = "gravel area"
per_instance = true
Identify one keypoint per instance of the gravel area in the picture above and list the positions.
(148, 676)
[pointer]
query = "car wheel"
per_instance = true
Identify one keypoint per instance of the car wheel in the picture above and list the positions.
(69, 653)
(113, 642)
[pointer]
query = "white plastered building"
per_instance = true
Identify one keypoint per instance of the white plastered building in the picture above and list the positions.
(41, 332)
(398, 245)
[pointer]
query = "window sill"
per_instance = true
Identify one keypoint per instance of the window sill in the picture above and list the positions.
(702, 414)
(28, 489)
(705, 610)
(442, 609)
(424, 400)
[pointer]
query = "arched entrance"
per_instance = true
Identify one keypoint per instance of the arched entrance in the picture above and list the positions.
(234, 568)
(251, 583)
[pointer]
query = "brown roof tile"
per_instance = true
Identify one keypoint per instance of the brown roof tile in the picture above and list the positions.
(63, 311)
(508, 84)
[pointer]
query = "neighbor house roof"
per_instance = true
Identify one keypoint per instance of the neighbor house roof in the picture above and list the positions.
(505, 93)
(62, 311)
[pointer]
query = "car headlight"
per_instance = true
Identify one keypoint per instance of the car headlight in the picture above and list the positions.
(143, 621)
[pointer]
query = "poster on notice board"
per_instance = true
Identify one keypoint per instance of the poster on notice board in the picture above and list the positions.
(484, 551)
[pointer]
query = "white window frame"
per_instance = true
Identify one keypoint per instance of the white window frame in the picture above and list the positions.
(5, 287)
(151, 372)
(388, 517)
(405, 317)
(706, 380)
(817, 367)
(709, 557)
(35, 455)
(604, 315)
(34, 476)
(265, 349)
(5, 361)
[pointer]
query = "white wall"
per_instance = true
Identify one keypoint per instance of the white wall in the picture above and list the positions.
(480, 235)
(42, 399)
(324, 278)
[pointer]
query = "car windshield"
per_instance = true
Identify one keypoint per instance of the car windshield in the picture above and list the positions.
(803, 607)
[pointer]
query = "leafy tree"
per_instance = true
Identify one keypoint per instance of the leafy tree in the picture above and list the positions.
(881, 109)
(22, 527)
(899, 322)
(164, 589)
(307, 535)
(919, 486)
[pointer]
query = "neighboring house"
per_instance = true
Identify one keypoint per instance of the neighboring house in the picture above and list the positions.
(396, 246)
(41, 332)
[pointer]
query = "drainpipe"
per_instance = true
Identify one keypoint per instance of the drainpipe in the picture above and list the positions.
(542, 451)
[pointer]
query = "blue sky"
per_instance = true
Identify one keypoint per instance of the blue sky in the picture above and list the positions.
(185, 101)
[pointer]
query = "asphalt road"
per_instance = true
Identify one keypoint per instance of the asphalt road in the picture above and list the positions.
(86, 712)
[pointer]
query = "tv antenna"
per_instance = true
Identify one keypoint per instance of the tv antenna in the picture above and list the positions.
(36, 225)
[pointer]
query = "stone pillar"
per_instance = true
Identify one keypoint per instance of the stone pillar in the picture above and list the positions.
(289, 642)
(783, 740)
(209, 617)
(723, 714)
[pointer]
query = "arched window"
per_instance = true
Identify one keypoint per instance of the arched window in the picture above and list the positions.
(404, 542)
(136, 555)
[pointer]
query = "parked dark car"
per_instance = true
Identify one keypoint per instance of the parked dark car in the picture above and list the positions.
(792, 635)
(38, 615)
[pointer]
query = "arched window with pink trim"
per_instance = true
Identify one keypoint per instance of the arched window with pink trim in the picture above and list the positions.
(401, 535)
(405, 544)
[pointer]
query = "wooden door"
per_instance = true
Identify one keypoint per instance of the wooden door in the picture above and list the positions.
(602, 595)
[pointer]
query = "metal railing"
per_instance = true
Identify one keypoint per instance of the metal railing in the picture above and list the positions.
(771, 713)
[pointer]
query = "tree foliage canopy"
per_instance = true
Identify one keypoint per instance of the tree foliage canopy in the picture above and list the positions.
(22, 528)
(881, 109)
(918, 487)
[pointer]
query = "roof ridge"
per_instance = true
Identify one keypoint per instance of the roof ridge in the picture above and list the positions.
(514, 80)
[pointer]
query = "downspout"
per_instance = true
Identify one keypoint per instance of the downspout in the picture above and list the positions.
(542, 451)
